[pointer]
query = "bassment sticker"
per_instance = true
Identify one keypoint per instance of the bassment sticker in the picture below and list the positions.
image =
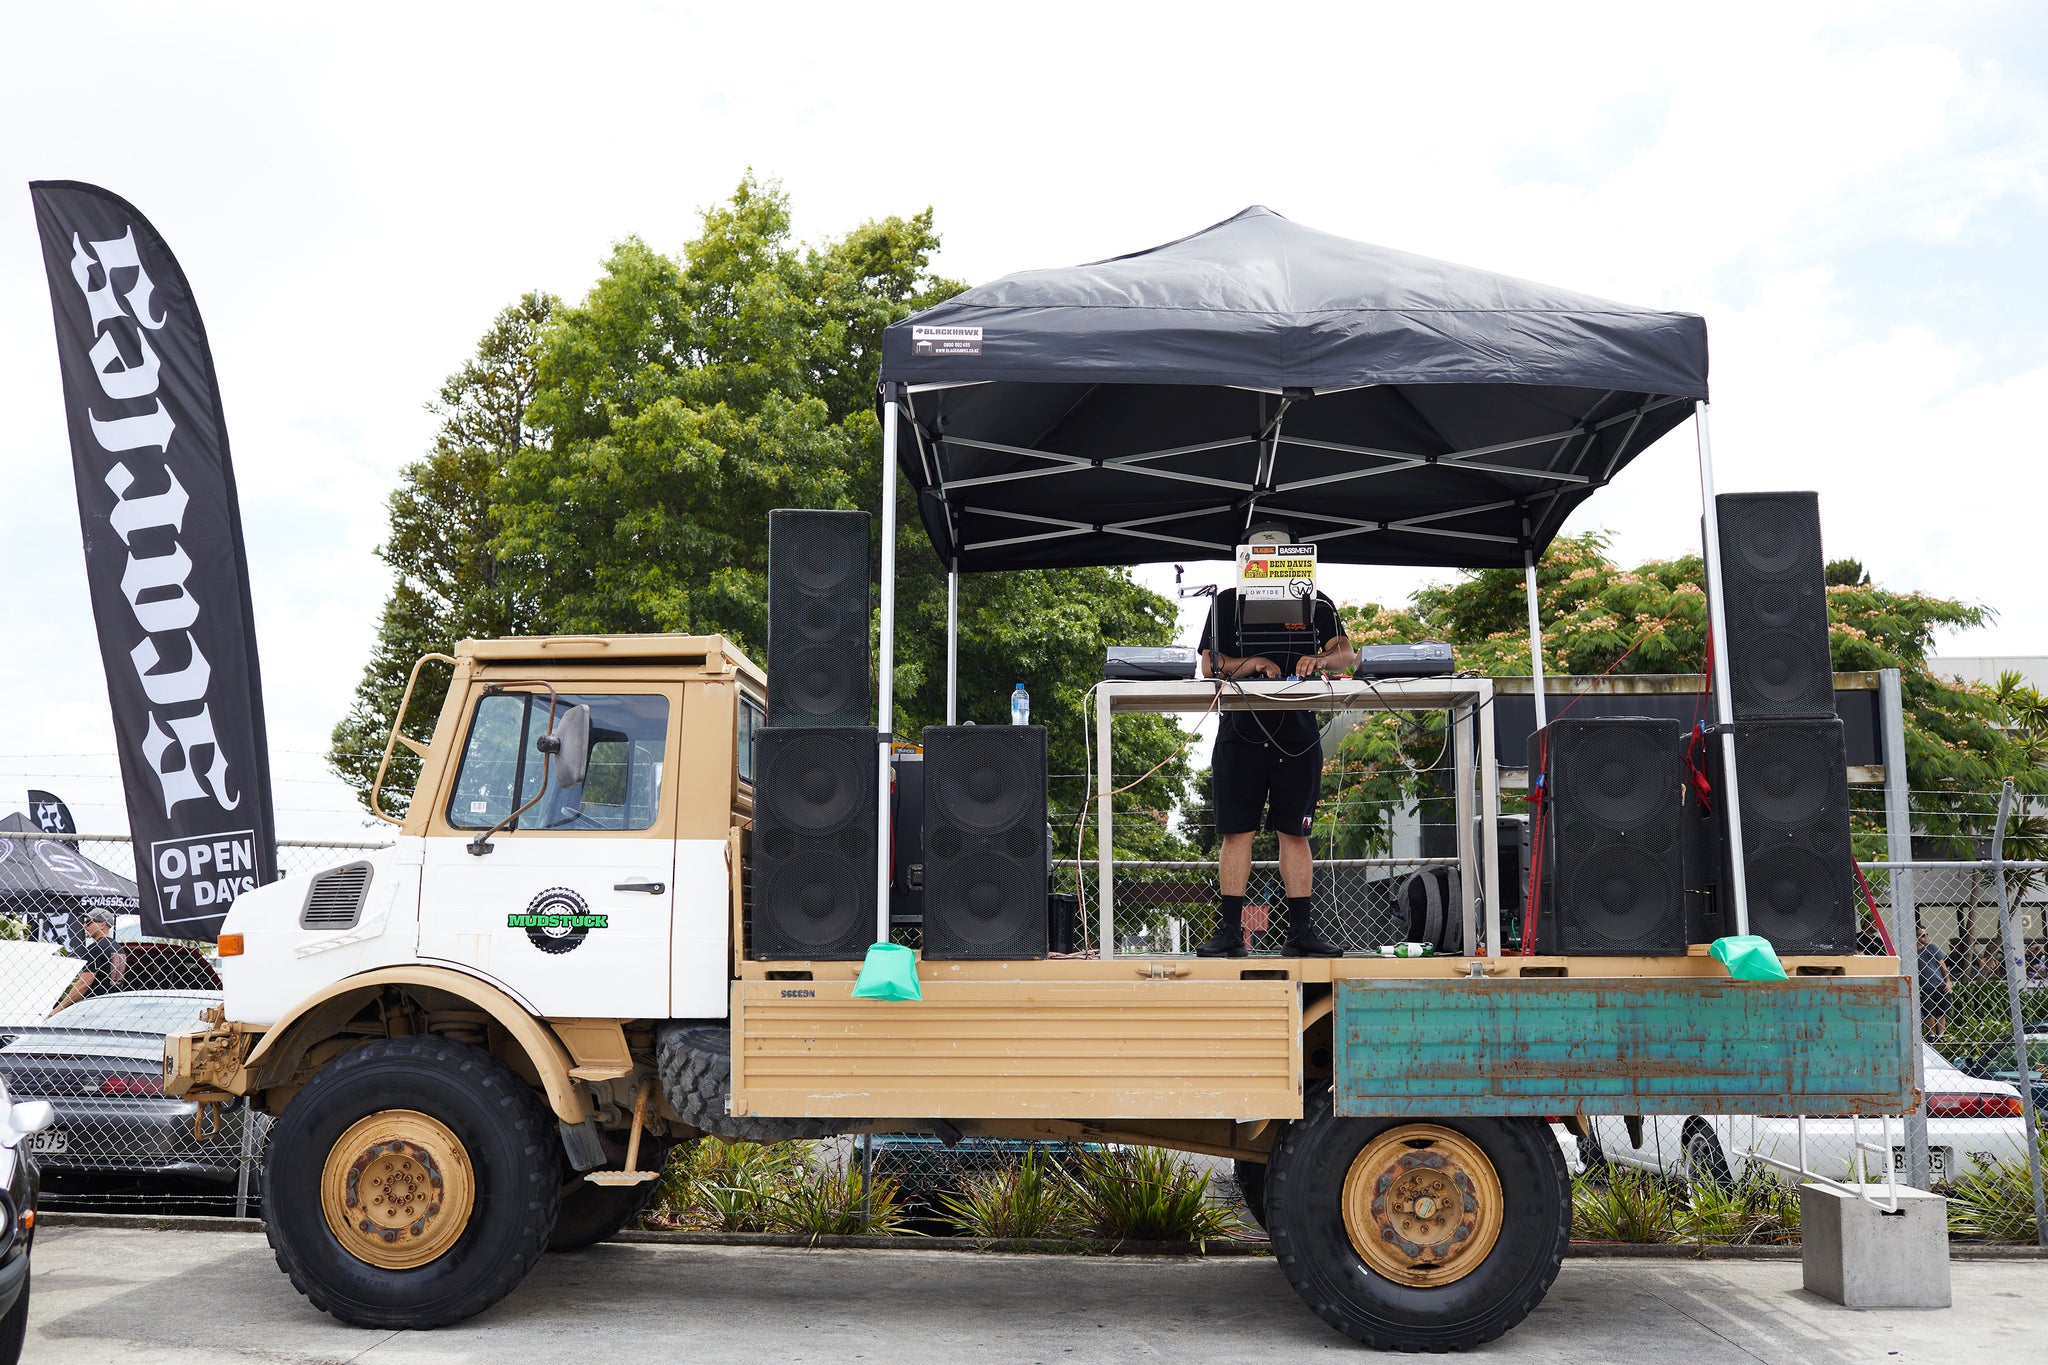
(557, 920)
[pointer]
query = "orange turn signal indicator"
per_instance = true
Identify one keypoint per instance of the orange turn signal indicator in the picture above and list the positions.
(230, 945)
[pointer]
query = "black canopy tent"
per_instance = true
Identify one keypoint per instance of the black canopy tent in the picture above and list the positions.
(1390, 408)
(1394, 409)
(48, 882)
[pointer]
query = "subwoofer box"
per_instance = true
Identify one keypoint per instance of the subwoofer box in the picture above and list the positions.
(818, 603)
(1794, 795)
(1613, 879)
(985, 855)
(1774, 586)
(815, 806)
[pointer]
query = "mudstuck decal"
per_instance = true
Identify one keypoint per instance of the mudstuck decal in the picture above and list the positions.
(557, 920)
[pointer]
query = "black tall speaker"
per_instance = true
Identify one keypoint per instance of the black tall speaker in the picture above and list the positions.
(818, 618)
(985, 857)
(815, 806)
(1613, 877)
(1774, 586)
(1796, 854)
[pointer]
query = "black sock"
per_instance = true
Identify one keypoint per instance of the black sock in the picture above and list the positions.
(1231, 916)
(1299, 925)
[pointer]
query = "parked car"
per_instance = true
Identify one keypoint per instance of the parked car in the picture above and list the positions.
(1969, 1119)
(19, 1186)
(1996, 1062)
(100, 1065)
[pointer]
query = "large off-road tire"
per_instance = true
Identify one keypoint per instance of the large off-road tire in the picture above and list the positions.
(412, 1183)
(695, 1065)
(1251, 1187)
(1351, 1202)
(14, 1326)
(590, 1213)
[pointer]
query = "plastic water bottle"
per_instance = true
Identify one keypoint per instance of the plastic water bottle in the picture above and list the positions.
(1020, 706)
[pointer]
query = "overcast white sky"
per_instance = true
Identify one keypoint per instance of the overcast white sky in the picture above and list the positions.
(1854, 196)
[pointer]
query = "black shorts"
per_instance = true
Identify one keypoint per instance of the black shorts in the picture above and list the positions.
(1249, 778)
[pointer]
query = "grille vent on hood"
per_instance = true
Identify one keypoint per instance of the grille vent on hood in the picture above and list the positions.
(335, 899)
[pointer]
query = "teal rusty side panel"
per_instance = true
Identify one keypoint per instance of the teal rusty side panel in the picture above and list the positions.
(1621, 1045)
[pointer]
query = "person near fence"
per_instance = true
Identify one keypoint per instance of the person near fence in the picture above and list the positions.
(1269, 764)
(99, 970)
(1933, 969)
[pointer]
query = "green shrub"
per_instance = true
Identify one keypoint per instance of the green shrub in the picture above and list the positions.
(832, 1199)
(1994, 1201)
(1025, 1198)
(719, 1186)
(1147, 1194)
(1630, 1206)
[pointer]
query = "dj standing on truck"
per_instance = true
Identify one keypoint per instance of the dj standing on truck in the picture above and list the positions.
(1269, 763)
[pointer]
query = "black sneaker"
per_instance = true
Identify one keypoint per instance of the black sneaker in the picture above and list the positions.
(1225, 942)
(1306, 944)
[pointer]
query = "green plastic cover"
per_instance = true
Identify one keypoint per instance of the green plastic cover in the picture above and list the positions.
(890, 973)
(1748, 958)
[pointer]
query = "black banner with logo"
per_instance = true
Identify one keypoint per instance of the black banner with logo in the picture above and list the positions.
(163, 558)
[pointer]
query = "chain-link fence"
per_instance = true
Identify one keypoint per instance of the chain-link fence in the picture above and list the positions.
(84, 1007)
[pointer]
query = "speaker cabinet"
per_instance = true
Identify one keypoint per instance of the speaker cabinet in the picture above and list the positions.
(985, 853)
(1613, 877)
(815, 807)
(1774, 584)
(818, 618)
(1795, 835)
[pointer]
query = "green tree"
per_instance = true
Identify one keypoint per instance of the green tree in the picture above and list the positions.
(450, 584)
(677, 404)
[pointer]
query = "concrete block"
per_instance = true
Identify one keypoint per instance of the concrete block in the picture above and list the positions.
(1861, 1256)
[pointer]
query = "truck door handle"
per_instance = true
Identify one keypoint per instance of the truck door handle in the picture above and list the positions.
(651, 888)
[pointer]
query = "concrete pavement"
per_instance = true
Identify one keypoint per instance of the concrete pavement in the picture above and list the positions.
(153, 1298)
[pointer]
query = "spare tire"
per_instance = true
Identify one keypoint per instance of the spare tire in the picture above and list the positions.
(695, 1065)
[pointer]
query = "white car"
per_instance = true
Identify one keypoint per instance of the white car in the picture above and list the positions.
(1968, 1121)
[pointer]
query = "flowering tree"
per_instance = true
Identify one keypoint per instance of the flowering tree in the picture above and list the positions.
(1961, 739)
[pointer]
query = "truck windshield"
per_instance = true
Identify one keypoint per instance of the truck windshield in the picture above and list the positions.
(501, 767)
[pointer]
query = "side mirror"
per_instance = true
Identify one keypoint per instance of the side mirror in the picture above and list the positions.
(31, 1116)
(570, 744)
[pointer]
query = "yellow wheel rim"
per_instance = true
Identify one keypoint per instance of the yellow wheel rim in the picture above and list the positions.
(397, 1189)
(1422, 1205)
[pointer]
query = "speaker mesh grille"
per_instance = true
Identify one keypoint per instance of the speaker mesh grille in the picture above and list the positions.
(1794, 796)
(1614, 874)
(985, 884)
(814, 843)
(1774, 584)
(818, 602)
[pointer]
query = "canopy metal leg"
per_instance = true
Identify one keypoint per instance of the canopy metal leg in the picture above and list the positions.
(1464, 720)
(1724, 694)
(1105, 891)
(1489, 823)
(885, 699)
(1535, 638)
(953, 644)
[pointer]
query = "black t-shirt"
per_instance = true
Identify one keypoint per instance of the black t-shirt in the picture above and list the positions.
(98, 958)
(1284, 642)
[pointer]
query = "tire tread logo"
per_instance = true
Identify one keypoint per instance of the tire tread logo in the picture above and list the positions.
(557, 920)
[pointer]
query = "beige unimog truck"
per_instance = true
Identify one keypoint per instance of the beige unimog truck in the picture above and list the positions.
(479, 1043)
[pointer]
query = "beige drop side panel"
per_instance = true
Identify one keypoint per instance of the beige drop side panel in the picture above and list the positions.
(1017, 1049)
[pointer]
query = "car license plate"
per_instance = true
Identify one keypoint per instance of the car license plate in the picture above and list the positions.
(49, 1141)
(1937, 1161)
